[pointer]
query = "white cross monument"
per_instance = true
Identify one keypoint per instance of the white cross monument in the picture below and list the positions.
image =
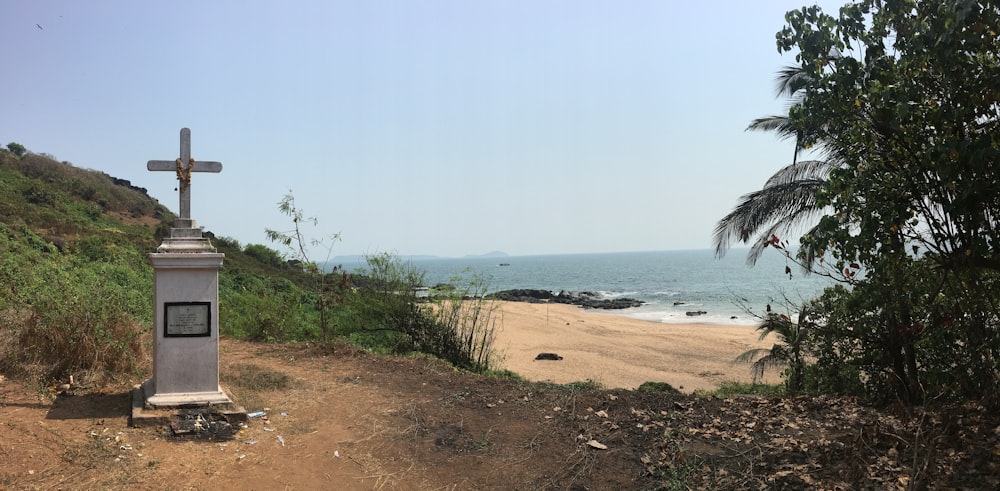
(185, 302)
(185, 236)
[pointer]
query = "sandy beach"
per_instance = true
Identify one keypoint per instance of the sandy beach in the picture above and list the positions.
(621, 352)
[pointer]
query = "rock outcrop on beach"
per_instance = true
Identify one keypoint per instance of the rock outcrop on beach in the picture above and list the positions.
(589, 300)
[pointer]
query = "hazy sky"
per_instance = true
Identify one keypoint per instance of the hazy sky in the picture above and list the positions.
(417, 127)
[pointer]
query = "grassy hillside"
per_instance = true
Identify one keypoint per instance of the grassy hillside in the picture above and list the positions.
(76, 285)
(74, 211)
(68, 206)
(76, 282)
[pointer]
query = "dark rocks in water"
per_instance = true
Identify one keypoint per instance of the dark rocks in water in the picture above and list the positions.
(587, 300)
(696, 312)
(548, 356)
(522, 295)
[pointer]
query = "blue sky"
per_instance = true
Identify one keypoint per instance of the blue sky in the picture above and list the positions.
(416, 127)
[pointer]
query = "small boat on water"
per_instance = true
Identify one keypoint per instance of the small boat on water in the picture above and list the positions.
(504, 264)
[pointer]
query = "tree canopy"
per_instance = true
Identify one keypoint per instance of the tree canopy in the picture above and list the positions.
(901, 101)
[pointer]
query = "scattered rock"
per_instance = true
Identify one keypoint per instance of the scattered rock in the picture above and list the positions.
(548, 356)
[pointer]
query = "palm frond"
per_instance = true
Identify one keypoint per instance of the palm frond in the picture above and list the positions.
(751, 356)
(802, 170)
(781, 125)
(790, 80)
(777, 209)
(761, 360)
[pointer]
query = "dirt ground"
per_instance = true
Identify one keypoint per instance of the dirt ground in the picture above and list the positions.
(351, 420)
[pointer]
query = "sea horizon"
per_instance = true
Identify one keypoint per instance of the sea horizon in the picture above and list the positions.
(671, 284)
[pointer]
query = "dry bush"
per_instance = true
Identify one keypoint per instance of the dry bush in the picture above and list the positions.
(50, 346)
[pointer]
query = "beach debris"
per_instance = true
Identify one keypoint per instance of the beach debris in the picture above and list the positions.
(694, 313)
(65, 387)
(548, 356)
(256, 414)
(336, 453)
(596, 444)
(602, 413)
(199, 423)
(282, 440)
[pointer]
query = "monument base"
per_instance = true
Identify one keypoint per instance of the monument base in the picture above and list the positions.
(177, 399)
(150, 409)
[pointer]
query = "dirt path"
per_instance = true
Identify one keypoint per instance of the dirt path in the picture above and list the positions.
(356, 421)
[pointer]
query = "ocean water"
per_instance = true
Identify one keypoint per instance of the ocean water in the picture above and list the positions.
(671, 283)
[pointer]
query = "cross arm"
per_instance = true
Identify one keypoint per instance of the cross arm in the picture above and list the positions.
(171, 165)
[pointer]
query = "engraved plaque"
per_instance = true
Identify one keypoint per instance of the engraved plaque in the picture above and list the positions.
(181, 319)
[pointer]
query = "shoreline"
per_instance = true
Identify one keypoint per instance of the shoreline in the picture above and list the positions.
(619, 351)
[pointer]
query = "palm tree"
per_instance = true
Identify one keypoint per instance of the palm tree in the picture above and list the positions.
(787, 352)
(788, 199)
(784, 204)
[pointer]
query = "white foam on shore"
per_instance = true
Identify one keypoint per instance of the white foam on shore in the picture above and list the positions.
(681, 317)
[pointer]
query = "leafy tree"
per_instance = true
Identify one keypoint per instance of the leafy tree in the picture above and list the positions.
(909, 100)
(904, 95)
(17, 149)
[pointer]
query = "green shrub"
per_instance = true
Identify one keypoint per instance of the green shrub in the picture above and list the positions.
(264, 254)
(472, 320)
(658, 387)
(64, 319)
(264, 315)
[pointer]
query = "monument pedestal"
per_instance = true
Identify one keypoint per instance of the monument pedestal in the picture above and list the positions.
(185, 321)
(185, 314)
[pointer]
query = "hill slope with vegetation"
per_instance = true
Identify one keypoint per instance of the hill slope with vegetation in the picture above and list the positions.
(76, 284)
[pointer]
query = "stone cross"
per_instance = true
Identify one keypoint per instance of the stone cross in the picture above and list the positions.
(184, 166)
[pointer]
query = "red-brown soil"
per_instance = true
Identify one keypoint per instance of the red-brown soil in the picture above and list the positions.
(358, 421)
